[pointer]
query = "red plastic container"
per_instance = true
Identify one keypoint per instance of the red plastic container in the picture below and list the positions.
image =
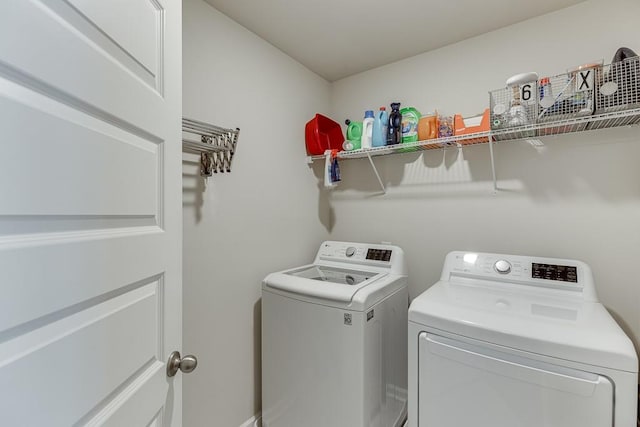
(321, 133)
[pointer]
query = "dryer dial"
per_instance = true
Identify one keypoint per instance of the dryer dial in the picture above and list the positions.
(502, 266)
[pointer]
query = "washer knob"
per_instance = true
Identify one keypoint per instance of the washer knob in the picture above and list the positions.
(351, 251)
(502, 266)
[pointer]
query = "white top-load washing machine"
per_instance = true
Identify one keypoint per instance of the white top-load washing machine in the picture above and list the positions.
(334, 344)
(506, 341)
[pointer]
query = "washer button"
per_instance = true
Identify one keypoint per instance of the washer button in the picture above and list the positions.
(502, 266)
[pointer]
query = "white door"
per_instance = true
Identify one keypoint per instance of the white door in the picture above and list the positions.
(462, 384)
(90, 205)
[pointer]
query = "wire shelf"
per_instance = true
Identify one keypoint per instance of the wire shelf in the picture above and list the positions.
(571, 125)
(589, 97)
(612, 119)
(408, 147)
(557, 127)
(216, 145)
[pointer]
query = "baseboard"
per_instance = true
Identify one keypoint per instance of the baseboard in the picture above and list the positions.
(255, 421)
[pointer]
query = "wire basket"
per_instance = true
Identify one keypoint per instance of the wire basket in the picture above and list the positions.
(513, 108)
(618, 89)
(567, 96)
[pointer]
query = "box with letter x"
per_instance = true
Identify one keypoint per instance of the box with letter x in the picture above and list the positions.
(567, 96)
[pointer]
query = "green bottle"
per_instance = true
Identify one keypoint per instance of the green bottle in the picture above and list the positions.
(354, 134)
(410, 119)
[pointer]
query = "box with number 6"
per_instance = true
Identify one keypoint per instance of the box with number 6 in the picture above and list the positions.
(514, 108)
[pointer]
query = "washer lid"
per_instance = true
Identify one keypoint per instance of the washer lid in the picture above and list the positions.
(324, 273)
(326, 284)
(541, 323)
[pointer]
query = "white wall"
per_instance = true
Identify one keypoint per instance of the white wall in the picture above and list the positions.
(578, 197)
(264, 216)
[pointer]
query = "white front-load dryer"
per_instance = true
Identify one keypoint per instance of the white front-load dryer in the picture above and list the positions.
(334, 344)
(514, 341)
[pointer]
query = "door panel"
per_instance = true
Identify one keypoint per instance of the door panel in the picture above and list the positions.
(119, 171)
(68, 58)
(51, 274)
(73, 347)
(90, 226)
(133, 406)
(136, 33)
(502, 390)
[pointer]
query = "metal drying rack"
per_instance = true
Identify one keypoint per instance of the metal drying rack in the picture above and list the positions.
(216, 145)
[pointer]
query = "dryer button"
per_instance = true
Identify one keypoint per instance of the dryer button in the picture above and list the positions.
(502, 266)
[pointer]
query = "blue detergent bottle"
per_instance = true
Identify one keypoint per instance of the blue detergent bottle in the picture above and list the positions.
(380, 127)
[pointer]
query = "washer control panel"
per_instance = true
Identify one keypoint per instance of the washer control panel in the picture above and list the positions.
(386, 256)
(342, 251)
(382, 258)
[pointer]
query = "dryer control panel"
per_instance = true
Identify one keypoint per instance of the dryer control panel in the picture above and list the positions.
(562, 274)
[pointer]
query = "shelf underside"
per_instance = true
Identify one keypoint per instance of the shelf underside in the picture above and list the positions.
(606, 120)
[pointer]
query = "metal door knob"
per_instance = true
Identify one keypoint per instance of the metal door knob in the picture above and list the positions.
(185, 364)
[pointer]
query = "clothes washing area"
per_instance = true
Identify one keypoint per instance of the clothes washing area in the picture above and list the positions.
(334, 344)
(542, 164)
(499, 341)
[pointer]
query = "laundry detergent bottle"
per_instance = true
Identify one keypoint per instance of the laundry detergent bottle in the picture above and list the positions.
(354, 135)
(394, 135)
(380, 126)
(410, 118)
(367, 129)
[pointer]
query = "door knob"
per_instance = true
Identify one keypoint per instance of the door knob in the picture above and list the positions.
(185, 364)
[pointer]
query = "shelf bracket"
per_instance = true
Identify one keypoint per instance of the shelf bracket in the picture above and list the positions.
(493, 163)
(375, 170)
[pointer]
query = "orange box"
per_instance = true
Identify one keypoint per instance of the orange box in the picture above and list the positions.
(460, 128)
(428, 127)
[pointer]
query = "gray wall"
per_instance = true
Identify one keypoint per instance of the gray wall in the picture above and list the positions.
(262, 217)
(576, 197)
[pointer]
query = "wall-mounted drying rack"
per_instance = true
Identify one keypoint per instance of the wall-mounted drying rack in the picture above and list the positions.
(532, 133)
(216, 145)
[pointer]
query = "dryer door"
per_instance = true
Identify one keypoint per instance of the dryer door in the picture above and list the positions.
(461, 384)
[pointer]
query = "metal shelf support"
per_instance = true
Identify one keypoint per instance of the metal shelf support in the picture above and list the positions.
(493, 164)
(375, 170)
